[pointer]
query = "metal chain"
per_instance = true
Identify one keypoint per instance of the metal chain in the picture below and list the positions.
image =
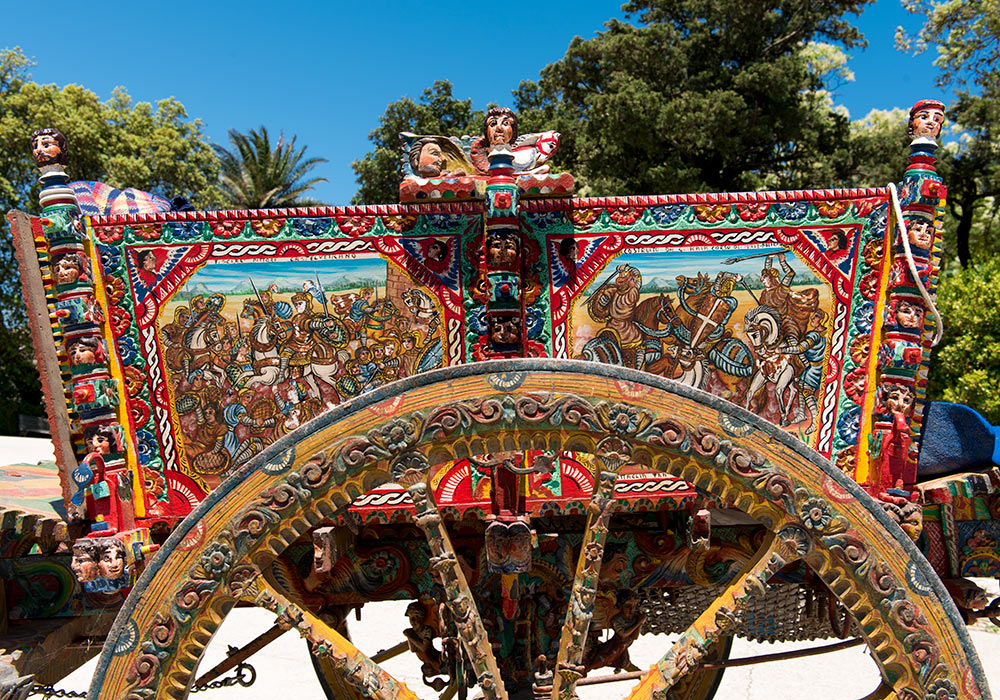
(47, 691)
(244, 675)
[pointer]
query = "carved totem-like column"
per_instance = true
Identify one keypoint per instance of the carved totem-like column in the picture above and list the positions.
(910, 329)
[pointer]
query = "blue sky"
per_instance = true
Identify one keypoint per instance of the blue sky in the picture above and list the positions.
(325, 71)
(225, 277)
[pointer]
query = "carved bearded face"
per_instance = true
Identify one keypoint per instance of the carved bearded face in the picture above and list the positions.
(431, 160)
(45, 149)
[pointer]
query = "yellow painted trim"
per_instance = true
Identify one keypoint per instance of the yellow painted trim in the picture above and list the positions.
(863, 469)
(116, 372)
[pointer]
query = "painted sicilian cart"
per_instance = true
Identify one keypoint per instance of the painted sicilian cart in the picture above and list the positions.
(552, 423)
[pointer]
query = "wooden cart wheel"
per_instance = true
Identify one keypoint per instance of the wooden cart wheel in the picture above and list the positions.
(223, 551)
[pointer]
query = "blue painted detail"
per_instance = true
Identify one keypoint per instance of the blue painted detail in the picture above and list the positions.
(281, 464)
(956, 439)
(128, 638)
(507, 381)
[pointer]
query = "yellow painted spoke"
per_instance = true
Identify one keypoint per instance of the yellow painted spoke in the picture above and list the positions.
(357, 669)
(718, 619)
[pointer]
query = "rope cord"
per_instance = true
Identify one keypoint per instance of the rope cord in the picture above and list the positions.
(939, 325)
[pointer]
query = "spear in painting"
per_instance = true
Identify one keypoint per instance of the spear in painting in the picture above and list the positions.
(322, 293)
(733, 261)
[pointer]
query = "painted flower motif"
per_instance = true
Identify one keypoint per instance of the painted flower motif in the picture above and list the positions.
(791, 210)
(184, 230)
(849, 425)
(355, 225)
(623, 419)
(879, 220)
(217, 560)
(109, 234)
(584, 217)
(399, 224)
(864, 317)
(228, 229)
(941, 689)
(712, 213)
(397, 435)
(831, 208)
(869, 286)
(134, 381)
(120, 321)
(860, 348)
(111, 257)
(128, 350)
(147, 232)
(625, 216)
(863, 207)
(146, 445)
(443, 221)
(667, 213)
(545, 219)
(267, 227)
(847, 460)
(872, 253)
(502, 200)
(310, 226)
(115, 289)
(139, 410)
(815, 514)
(855, 384)
(753, 211)
(534, 324)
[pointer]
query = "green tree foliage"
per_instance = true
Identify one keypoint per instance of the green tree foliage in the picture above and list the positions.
(696, 95)
(966, 37)
(126, 144)
(966, 366)
(436, 112)
(257, 175)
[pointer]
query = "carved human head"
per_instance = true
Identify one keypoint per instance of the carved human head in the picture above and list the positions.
(67, 268)
(85, 351)
(500, 126)
(926, 119)
(112, 563)
(48, 147)
(84, 564)
(898, 398)
(427, 157)
(910, 314)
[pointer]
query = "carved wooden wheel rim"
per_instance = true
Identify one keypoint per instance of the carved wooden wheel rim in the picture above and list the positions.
(813, 511)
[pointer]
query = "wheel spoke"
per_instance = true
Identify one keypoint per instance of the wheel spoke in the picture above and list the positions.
(718, 619)
(569, 663)
(459, 597)
(357, 668)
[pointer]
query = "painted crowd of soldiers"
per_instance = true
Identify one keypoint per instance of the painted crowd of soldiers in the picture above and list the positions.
(241, 384)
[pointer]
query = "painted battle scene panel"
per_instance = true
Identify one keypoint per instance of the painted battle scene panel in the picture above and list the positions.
(254, 349)
(752, 325)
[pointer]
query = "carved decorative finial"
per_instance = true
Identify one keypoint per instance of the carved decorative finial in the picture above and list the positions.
(49, 147)
(926, 120)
